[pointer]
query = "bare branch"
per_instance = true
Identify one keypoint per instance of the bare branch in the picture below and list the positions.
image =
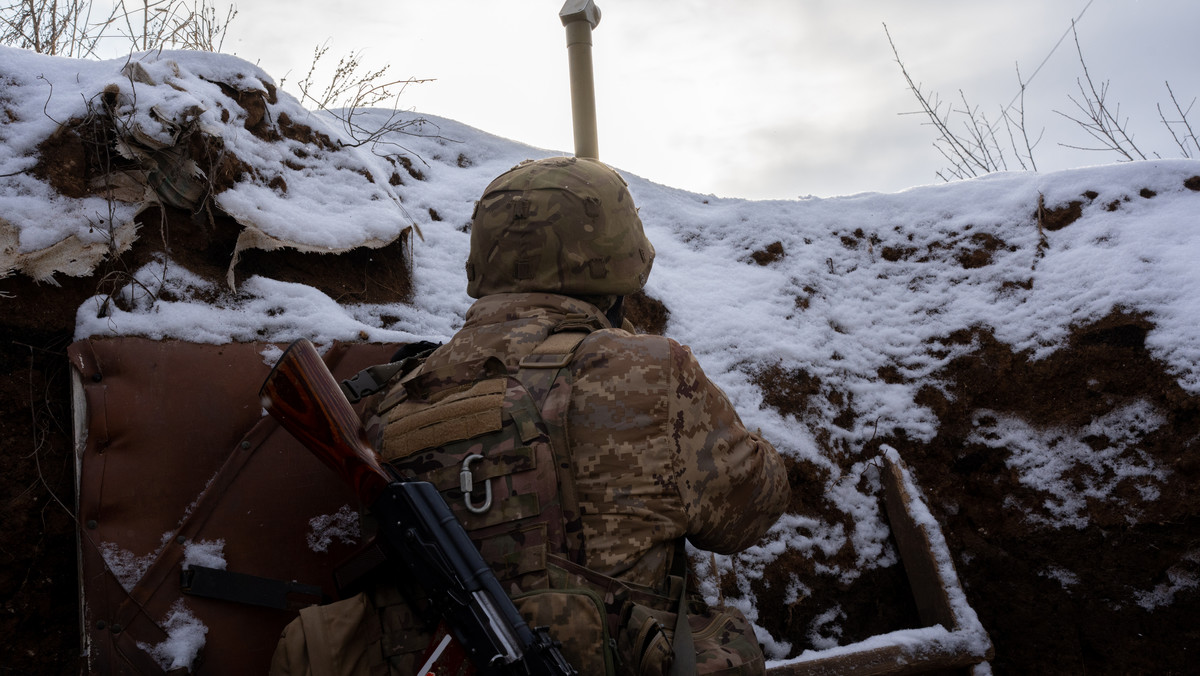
(1183, 120)
(350, 91)
(975, 150)
(1101, 121)
(1009, 123)
(66, 28)
(49, 26)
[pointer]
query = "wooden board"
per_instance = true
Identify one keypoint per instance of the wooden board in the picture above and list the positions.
(955, 639)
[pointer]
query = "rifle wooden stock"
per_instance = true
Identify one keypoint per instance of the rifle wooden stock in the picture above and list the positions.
(302, 395)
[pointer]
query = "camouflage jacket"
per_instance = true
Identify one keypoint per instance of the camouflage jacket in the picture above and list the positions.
(658, 451)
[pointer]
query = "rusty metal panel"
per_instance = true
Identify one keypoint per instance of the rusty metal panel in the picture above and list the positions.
(174, 450)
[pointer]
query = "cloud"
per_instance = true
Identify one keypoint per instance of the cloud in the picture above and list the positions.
(684, 85)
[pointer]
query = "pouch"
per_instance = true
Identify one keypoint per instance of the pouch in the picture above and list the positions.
(724, 641)
(576, 617)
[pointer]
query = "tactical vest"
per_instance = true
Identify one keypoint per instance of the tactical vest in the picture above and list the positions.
(495, 444)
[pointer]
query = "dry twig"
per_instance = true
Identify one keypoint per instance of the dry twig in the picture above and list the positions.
(1183, 120)
(1100, 120)
(973, 149)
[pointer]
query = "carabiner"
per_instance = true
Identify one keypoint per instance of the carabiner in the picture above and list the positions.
(467, 483)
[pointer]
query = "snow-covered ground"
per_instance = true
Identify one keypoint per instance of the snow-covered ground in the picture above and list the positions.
(852, 285)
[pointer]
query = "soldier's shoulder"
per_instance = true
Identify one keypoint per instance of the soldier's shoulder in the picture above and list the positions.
(618, 343)
(636, 370)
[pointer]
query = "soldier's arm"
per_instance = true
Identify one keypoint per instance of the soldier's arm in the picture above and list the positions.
(732, 482)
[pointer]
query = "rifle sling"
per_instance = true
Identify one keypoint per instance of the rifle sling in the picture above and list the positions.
(683, 646)
(368, 381)
(538, 371)
(252, 590)
(375, 378)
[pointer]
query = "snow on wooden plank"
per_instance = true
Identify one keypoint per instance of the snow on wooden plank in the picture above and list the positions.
(954, 639)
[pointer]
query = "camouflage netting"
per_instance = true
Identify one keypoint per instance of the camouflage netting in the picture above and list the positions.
(211, 137)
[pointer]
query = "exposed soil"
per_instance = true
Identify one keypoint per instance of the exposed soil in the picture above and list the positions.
(81, 159)
(1093, 625)
(38, 577)
(361, 275)
(1012, 569)
(769, 254)
(647, 314)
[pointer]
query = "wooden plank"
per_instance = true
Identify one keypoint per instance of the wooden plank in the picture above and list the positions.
(929, 586)
(892, 660)
(953, 647)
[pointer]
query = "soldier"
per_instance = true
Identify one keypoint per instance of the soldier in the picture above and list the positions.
(577, 454)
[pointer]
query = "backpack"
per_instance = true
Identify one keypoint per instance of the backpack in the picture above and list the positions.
(494, 443)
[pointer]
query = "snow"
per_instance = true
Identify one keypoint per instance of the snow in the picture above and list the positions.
(1061, 575)
(866, 282)
(1179, 579)
(1074, 472)
(967, 628)
(155, 100)
(126, 566)
(911, 642)
(205, 553)
(185, 639)
(342, 525)
(129, 568)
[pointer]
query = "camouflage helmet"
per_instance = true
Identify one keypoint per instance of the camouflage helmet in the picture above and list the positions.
(560, 225)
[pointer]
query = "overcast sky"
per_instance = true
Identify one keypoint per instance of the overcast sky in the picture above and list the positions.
(754, 98)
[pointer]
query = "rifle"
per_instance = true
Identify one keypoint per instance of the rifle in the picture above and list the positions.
(419, 532)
